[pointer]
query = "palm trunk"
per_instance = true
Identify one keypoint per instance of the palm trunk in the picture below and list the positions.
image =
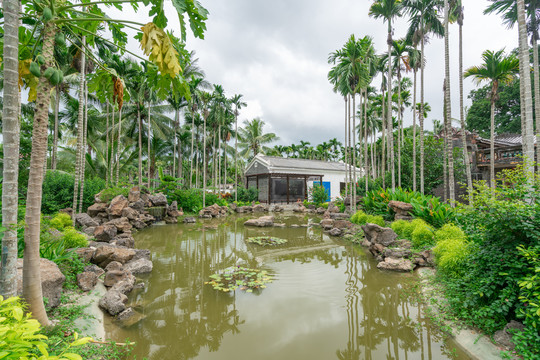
(462, 112)
(389, 114)
(107, 146)
(365, 140)
(148, 154)
(11, 139)
(80, 129)
(400, 121)
(139, 122)
(524, 64)
(118, 146)
(191, 155)
(175, 141)
(236, 154)
(83, 152)
(383, 144)
(414, 131)
(204, 157)
(32, 291)
(492, 144)
(449, 132)
(54, 157)
(536, 81)
(351, 150)
(421, 115)
(346, 152)
(111, 157)
(354, 150)
(445, 154)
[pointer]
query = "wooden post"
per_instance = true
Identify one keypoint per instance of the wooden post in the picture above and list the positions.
(287, 189)
(269, 188)
(305, 188)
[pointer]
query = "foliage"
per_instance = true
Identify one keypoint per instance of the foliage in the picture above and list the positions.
(54, 250)
(422, 237)
(318, 194)
(530, 287)
(61, 221)
(239, 277)
(362, 218)
(398, 226)
(247, 195)
(432, 210)
(70, 267)
(110, 193)
(74, 239)
(191, 200)
(20, 336)
(409, 228)
(451, 254)
(58, 191)
(266, 240)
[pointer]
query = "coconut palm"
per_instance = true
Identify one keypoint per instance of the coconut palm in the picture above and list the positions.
(253, 139)
(497, 68)
(448, 104)
(388, 9)
(236, 100)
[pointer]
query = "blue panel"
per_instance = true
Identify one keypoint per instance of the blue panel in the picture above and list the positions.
(326, 185)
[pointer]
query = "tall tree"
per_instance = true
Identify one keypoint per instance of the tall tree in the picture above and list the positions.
(238, 104)
(253, 138)
(448, 103)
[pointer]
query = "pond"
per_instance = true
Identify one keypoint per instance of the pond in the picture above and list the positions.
(328, 300)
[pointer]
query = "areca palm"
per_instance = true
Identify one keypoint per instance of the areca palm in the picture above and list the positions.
(253, 139)
(448, 104)
(497, 68)
(387, 10)
(238, 103)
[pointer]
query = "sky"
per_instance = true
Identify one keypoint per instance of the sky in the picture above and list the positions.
(275, 54)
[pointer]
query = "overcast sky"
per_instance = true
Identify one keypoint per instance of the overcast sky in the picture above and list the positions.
(275, 54)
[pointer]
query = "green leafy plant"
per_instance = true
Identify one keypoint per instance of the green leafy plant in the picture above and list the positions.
(432, 210)
(247, 195)
(239, 277)
(110, 193)
(318, 194)
(362, 218)
(74, 239)
(398, 226)
(409, 228)
(422, 237)
(61, 221)
(266, 240)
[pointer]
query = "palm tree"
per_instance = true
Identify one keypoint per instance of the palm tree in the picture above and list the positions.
(238, 104)
(448, 104)
(414, 58)
(252, 138)
(11, 135)
(424, 19)
(498, 69)
(388, 9)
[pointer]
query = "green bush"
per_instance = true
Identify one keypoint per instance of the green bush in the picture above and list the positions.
(422, 237)
(112, 192)
(20, 336)
(362, 218)
(318, 194)
(398, 226)
(451, 254)
(61, 221)
(247, 195)
(449, 231)
(409, 228)
(73, 239)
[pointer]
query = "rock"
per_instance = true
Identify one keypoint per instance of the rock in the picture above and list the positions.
(129, 317)
(114, 302)
(190, 220)
(117, 205)
(125, 284)
(122, 224)
(394, 264)
(114, 266)
(170, 220)
(95, 269)
(106, 254)
(125, 240)
(145, 198)
(402, 210)
(365, 243)
(105, 232)
(321, 210)
(137, 224)
(94, 210)
(277, 208)
(311, 207)
(142, 254)
(89, 230)
(244, 209)
(260, 208)
(333, 209)
(97, 197)
(280, 225)
(376, 249)
(86, 253)
(343, 224)
(504, 337)
(55, 234)
(233, 206)
(158, 199)
(263, 221)
(84, 220)
(87, 280)
(139, 266)
(114, 276)
(339, 216)
(335, 232)
(299, 208)
(403, 243)
(378, 235)
(327, 224)
(68, 211)
(101, 218)
(52, 281)
(172, 210)
(429, 258)
(138, 205)
(130, 213)
(397, 253)
(134, 194)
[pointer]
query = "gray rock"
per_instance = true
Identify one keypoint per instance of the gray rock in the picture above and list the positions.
(84, 220)
(158, 199)
(130, 213)
(134, 194)
(107, 254)
(139, 266)
(125, 285)
(94, 210)
(263, 221)
(87, 280)
(397, 253)
(114, 266)
(343, 224)
(327, 224)
(122, 224)
(366, 243)
(333, 209)
(86, 253)
(172, 210)
(335, 232)
(321, 210)
(277, 208)
(129, 317)
(190, 220)
(137, 205)
(504, 337)
(299, 208)
(339, 216)
(125, 239)
(105, 232)
(260, 208)
(142, 254)
(376, 249)
(114, 302)
(378, 235)
(117, 205)
(52, 281)
(89, 230)
(95, 269)
(394, 264)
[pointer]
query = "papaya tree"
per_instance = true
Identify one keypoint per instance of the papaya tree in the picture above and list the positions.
(56, 19)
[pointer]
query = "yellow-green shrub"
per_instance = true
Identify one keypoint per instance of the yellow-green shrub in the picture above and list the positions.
(451, 253)
(61, 221)
(375, 219)
(410, 227)
(73, 239)
(449, 231)
(422, 236)
(398, 226)
(359, 217)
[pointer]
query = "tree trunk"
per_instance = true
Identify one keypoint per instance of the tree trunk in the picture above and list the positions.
(204, 157)
(80, 129)
(118, 146)
(176, 121)
(346, 152)
(111, 156)
(354, 193)
(351, 150)
(107, 147)
(32, 291)
(148, 154)
(83, 152)
(400, 123)
(139, 122)
(449, 132)
(389, 114)
(383, 143)
(492, 145)
(414, 131)
(54, 157)
(11, 138)
(462, 112)
(536, 94)
(365, 140)
(236, 155)
(191, 155)
(525, 65)
(421, 115)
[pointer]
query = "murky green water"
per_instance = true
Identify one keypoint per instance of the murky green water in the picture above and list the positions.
(328, 299)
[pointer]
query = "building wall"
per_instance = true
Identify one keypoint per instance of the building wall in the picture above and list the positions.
(335, 179)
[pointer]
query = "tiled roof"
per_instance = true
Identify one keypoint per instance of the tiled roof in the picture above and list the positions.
(275, 163)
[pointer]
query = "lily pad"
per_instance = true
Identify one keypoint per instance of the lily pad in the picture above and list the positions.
(266, 240)
(238, 277)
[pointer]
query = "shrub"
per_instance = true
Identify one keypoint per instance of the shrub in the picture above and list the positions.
(247, 195)
(449, 231)
(112, 192)
(318, 194)
(362, 218)
(73, 239)
(398, 226)
(61, 221)
(422, 236)
(373, 219)
(451, 254)
(409, 228)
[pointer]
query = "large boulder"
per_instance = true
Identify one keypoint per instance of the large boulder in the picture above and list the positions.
(277, 208)
(397, 253)
(126, 284)
(378, 235)
(106, 254)
(504, 337)
(139, 266)
(260, 208)
(122, 224)
(172, 210)
(87, 280)
(320, 210)
(394, 264)
(130, 213)
(333, 208)
(95, 269)
(124, 239)
(134, 194)
(138, 205)
(129, 317)
(263, 221)
(94, 210)
(117, 205)
(84, 220)
(52, 281)
(114, 276)
(402, 210)
(244, 209)
(190, 220)
(86, 253)
(105, 232)
(343, 224)
(299, 208)
(114, 302)
(338, 216)
(158, 199)
(335, 232)
(327, 224)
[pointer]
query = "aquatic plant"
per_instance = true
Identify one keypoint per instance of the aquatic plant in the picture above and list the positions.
(238, 277)
(266, 240)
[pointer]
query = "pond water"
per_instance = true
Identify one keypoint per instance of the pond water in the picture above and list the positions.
(328, 300)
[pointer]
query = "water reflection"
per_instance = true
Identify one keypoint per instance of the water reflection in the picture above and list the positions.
(328, 301)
